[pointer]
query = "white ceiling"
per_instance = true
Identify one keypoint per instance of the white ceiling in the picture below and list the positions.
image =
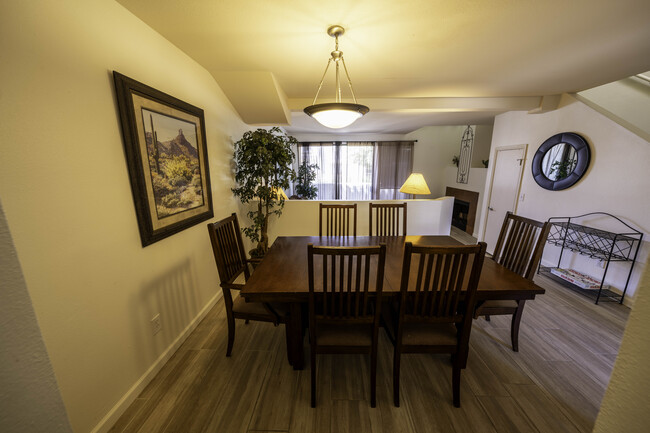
(413, 62)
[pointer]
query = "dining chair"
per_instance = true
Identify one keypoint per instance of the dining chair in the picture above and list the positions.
(519, 248)
(387, 219)
(233, 268)
(345, 305)
(337, 219)
(436, 302)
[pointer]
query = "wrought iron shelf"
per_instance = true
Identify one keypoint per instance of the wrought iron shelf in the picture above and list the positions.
(605, 294)
(597, 244)
(588, 250)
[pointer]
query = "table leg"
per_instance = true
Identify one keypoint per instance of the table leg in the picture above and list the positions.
(287, 335)
(295, 333)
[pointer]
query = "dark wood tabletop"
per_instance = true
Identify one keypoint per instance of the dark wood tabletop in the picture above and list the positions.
(282, 275)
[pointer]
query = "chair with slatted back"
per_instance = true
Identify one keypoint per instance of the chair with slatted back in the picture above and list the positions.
(519, 248)
(387, 219)
(340, 219)
(233, 268)
(437, 298)
(344, 304)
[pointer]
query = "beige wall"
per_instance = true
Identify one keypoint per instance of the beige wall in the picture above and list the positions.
(625, 100)
(616, 182)
(300, 217)
(482, 144)
(66, 194)
(625, 404)
(436, 147)
(30, 400)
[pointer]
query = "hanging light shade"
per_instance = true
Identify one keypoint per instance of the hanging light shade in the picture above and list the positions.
(337, 114)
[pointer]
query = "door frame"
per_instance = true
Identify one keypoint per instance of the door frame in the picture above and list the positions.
(486, 212)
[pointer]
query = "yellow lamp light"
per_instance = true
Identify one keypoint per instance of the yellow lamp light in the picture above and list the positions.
(415, 184)
(279, 192)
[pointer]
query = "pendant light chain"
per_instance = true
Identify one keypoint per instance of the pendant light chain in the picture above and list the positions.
(321, 80)
(337, 91)
(337, 97)
(345, 68)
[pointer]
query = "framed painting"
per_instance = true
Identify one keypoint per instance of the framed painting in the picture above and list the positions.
(167, 159)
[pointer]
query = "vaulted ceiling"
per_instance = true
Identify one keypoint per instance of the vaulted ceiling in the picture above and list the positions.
(413, 62)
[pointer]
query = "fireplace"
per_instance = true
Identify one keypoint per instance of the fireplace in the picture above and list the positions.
(459, 214)
(465, 206)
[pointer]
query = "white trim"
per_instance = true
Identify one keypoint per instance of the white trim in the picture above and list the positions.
(486, 204)
(122, 405)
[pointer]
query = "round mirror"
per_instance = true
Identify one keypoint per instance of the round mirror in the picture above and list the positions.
(561, 161)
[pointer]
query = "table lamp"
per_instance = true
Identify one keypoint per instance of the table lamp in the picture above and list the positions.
(279, 192)
(415, 184)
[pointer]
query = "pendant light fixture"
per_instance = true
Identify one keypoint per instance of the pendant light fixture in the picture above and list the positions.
(337, 114)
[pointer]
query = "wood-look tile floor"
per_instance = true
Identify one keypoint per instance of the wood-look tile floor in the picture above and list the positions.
(554, 384)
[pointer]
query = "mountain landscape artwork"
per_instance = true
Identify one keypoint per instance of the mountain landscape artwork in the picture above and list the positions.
(174, 163)
(167, 158)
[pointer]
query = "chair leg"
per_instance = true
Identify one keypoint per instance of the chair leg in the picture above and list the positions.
(231, 335)
(396, 360)
(487, 318)
(313, 377)
(373, 377)
(514, 327)
(455, 384)
(246, 322)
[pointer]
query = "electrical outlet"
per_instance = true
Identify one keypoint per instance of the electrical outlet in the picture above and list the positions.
(156, 327)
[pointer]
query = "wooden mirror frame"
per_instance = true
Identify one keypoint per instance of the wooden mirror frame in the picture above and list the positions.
(582, 152)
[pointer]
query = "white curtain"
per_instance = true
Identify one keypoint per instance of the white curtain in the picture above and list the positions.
(359, 170)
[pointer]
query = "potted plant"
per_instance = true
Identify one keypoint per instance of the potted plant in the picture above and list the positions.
(262, 167)
(305, 188)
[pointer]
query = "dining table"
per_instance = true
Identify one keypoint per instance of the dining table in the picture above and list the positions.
(282, 277)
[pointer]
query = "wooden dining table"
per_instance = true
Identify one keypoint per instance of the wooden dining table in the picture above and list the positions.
(282, 277)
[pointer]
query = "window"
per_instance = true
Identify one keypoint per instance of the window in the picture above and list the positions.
(359, 170)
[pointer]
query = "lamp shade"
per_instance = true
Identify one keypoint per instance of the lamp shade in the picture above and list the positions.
(336, 115)
(279, 192)
(415, 184)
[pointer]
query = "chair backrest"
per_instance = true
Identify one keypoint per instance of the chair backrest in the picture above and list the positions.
(520, 244)
(337, 219)
(435, 279)
(387, 219)
(348, 276)
(228, 249)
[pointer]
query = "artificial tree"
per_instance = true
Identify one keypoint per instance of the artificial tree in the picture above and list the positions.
(305, 187)
(263, 166)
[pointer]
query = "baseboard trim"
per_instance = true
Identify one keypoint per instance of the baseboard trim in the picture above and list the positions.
(120, 407)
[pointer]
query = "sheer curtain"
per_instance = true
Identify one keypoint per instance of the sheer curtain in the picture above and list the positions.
(393, 167)
(324, 155)
(359, 170)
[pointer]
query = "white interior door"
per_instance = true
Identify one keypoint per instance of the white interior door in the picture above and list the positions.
(504, 190)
